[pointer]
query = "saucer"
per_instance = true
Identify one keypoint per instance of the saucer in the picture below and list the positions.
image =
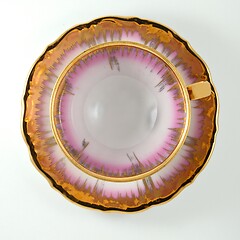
(120, 114)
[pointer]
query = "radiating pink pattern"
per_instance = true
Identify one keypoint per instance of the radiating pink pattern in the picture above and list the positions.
(156, 76)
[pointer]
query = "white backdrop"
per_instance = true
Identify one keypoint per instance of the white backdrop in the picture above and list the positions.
(208, 209)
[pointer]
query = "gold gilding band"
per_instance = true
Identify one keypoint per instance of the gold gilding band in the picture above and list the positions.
(186, 91)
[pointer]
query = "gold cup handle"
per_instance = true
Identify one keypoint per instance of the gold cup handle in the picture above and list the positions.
(199, 90)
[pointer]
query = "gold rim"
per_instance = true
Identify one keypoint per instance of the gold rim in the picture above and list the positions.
(54, 111)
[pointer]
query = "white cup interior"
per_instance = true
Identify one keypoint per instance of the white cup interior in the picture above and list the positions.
(120, 111)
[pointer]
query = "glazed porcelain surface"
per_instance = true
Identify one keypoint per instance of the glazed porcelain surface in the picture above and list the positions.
(120, 114)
